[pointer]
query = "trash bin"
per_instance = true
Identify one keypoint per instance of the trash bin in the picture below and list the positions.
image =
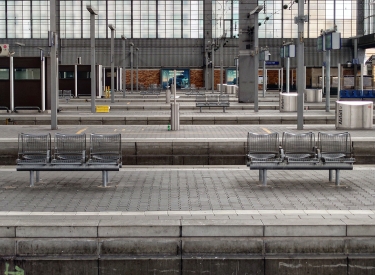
(313, 95)
(354, 114)
(288, 102)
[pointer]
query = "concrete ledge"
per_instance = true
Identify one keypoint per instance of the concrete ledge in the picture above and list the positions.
(302, 228)
(53, 247)
(307, 245)
(140, 246)
(222, 246)
(138, 228)
(56, 229)
(222, 228)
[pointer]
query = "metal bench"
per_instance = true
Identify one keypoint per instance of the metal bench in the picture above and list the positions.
(212, 101)
(153, 89)
(18, 108)
(335, 150)
(299, 152)
(69, 154)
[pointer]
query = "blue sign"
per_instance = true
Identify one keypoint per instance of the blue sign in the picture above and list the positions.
(272, 62)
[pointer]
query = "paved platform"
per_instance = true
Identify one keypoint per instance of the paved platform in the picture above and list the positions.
(229, 192)
(187, 219)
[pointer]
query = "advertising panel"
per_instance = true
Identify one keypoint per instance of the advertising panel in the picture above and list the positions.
(182, 78)
(231, 77)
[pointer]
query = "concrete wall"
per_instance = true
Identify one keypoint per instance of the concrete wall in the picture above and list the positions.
(187, 247)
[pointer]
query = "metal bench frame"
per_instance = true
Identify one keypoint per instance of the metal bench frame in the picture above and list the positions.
(311, 158)
(69, 154)
(212, 101)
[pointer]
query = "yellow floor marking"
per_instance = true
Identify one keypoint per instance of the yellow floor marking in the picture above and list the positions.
(81, 131)
(266, 130)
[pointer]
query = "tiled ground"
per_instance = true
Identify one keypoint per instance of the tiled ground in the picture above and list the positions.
(146, 189)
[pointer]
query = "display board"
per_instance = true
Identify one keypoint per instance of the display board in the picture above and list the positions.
(231, 76)
(182, 78)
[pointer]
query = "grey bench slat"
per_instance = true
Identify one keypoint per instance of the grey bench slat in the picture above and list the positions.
(83, 167)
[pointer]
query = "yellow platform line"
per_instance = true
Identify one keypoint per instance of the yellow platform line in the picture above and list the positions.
(266, 130)
(80, 131)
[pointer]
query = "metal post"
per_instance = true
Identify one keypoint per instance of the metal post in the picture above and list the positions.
(112, 27)
(300, 64)
(131, 67)
(54, 82)
(205, 75)
(213, 67)
(323, 79)
(93, 12)
(361, 79)
(221, 63)
(328, 80)
(137, 51)
(255, 58)
(11, 78)
(124, 65)
(287, 75)
(282, 79)
(42, 78)
(237, 71)
(264, 78)
(339, 81)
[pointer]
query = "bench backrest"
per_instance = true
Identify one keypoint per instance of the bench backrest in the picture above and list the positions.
(338, 143)
(224, 98)
(263, 143)
(105, 148)
(34, 148)
(301, 143)
(70, 148)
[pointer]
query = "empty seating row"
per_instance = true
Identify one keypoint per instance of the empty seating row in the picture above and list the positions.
(299, 152)
(357, 94)
(69, 153)
(212, 101)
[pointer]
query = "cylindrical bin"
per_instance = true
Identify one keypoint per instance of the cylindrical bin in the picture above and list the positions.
(288, 102)
(354, 114)
(313, 95)
(228, 89)
(225, 89)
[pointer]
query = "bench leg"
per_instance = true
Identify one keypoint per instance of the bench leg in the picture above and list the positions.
(104, 178)
(223, 109)
(265, 177)
(31, 178)
(337, 180)
(200, 109)
(330, 175)
(260, 175)
(37, 178)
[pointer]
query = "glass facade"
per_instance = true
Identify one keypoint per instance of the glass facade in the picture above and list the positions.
(277, 17)
(24, 19)
(369, 14)
(177, 18)
(133, 18)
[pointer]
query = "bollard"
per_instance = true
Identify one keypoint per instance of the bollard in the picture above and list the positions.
(168, 95)
(175, 116)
